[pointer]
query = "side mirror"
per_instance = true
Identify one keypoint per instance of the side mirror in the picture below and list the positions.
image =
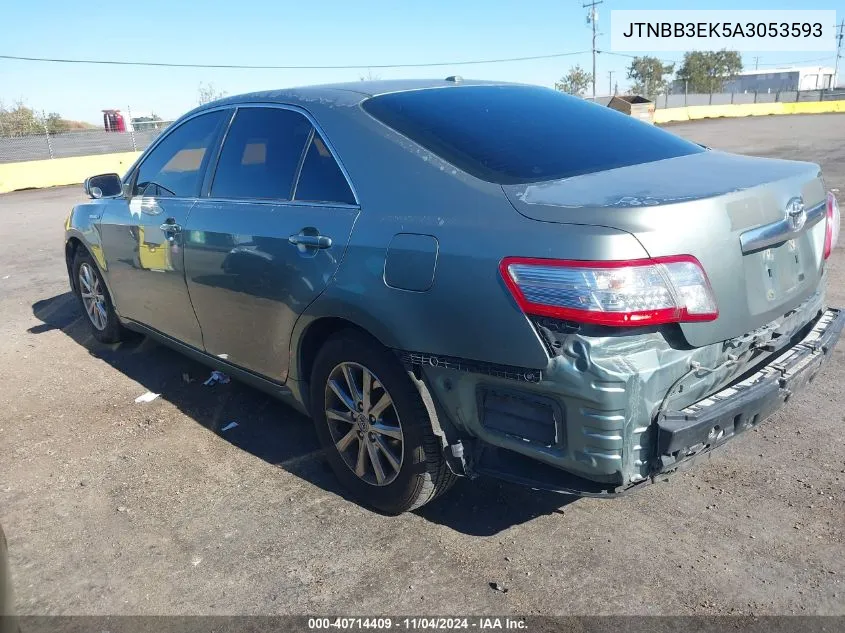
(103, 186)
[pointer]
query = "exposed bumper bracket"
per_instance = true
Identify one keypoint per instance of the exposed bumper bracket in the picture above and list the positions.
(715, 419)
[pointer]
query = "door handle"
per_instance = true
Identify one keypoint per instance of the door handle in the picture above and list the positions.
(311, 241)
(170, 229)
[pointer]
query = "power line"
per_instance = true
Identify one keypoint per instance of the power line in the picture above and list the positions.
(799, 61)
(668, 61)
(255, 67)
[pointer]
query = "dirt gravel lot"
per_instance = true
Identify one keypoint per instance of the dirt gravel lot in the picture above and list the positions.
(113, 507)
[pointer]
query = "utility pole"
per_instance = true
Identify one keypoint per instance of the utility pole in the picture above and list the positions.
(592, 18)
(838, 53)
(756, 63)
(610, 82)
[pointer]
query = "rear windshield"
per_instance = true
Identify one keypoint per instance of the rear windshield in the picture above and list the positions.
(518, 134)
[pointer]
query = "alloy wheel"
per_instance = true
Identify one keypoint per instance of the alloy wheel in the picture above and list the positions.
(364, 424)
(93, 296)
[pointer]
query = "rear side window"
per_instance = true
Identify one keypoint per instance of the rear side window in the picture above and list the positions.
(519, 134)
(260, 154)
(175, 166)
(321, 179)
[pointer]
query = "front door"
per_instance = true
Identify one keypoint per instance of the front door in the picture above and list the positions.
(143, 234)
(268, 237)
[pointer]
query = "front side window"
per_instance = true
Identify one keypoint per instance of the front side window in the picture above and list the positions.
(321, 179)
(261, 153)
(175, 166)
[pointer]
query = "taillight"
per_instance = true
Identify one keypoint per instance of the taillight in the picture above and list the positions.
(831, 232)
(635, 292)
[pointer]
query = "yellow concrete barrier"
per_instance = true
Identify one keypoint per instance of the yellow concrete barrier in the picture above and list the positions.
(692, 113)
(814, 107)
(61, 171)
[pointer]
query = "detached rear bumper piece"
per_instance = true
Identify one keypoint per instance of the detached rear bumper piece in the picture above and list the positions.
(684, 434)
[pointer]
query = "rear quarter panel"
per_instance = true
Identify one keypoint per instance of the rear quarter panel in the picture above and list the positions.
(467, 312)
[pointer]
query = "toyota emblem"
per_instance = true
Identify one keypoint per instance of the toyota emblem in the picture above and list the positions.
(796, 215)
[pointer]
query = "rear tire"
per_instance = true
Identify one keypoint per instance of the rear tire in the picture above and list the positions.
(94, 299)
(385, 454)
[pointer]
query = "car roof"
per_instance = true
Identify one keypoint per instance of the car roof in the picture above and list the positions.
(348, 93)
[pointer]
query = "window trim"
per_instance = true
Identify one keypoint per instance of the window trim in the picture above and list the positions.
(297, 174)
(130, 180)
(334, 203)
(211, 169)
(205, 192)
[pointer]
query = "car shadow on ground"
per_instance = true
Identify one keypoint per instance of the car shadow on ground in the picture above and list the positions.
(274, 432)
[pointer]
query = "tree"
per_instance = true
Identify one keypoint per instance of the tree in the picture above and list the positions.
(575, 82)
(707, 71)
(207, 93)
(649, 75)
(369, 76)
(55, 123)
(19, 120)
(151, 122)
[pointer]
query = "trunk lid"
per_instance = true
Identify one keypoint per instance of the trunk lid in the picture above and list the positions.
(728, 211)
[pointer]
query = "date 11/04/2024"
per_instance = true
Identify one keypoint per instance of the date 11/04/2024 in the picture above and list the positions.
(417, 623)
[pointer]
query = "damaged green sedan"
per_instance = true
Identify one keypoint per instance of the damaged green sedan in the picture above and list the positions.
(458, 278)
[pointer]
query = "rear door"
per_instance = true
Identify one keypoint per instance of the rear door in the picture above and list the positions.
(267, 237)
(143, 232)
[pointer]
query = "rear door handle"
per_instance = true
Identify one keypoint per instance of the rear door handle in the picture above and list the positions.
(170, 228)
(311, 241)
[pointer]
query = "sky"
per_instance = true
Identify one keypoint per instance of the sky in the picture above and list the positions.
(319, 32)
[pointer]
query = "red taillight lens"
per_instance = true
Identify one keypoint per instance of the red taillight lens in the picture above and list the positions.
(831, 233)
(635, 292)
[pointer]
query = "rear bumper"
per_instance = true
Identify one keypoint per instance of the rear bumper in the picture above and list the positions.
(649, 438)
(716, 419)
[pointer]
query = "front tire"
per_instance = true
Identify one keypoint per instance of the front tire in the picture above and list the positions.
(374, 427)
(95, 300)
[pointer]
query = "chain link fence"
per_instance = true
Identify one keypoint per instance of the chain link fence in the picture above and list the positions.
(40, 145)
(723, 98)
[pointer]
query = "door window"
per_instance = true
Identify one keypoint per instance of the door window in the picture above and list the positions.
(321, 179)
(261, 153)
(175, 166)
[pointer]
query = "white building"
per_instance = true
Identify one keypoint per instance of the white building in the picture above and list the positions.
(780, 79)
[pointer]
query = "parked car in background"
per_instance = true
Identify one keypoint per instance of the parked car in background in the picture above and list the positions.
(458, 278)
